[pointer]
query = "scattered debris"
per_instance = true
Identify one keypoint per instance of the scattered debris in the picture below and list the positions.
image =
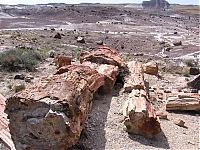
(162, 114)
(52, 54)
(184, 102)
(80, 39)
(58, 36)
(179, 122)
(177, 43)
(194, 71)
(19, 77)
(99, 42)
(4, 130)
(195, 82)
(151, 68)
(62, 60)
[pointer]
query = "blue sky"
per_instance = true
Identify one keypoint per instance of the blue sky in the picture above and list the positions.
(196, 2)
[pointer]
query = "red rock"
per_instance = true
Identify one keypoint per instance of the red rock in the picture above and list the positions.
(102, 55)
(4, 130)
(51, 113)
(161, 114)
(151, 68)
(62, 60)
(140, 117)
(134, 79)
(94, 79)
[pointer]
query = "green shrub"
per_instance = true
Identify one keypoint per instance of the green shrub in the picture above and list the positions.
(15, 59)
(191, 63)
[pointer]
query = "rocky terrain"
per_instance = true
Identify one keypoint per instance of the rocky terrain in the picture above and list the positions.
(164, 39)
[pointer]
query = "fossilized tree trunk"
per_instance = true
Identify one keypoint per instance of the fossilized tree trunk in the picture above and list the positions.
(139, 114)
(4, 130)
(135, 77)
(184, 102)
(51, 114)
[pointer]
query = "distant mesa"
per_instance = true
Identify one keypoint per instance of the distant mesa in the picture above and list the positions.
(158, 4)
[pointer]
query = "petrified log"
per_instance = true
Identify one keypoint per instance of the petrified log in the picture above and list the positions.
(195, 83)
(140, 117)
(102, 55)
(4, 130)
(91, 75)
(51, 114)
(135, 77)
(109, 71)
(184, 102)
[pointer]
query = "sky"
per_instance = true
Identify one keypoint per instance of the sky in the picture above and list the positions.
(13, 2)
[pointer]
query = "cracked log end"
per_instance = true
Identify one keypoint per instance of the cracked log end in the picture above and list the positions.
(139, 115)
(51, 114)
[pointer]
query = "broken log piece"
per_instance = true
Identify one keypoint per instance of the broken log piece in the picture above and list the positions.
(62, 60)
(184, 102)
(102, 55)
(195, 83)
(139, 114)
(109, 71)
(4, 130)
(50, 114)
(94, 79)
(135, 77)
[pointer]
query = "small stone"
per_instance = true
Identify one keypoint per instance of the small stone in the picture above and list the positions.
(151, 68)
(52, 54)
(167, 91)
(177, 43)
(80, 39)
(179, 122)
(19, 77)
(27, 79)
(194, 90)
(161, 114)
(194, 71)
(58, 36)
(99, 42)
(167, 49)
(175, 32)
(151, 90)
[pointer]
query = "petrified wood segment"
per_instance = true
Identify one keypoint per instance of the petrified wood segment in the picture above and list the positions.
(91, 75)
(110, 73)
(140, 117)
(50, 114)
(4, 130)
(135, 77)
(102, 55)
(184, 102)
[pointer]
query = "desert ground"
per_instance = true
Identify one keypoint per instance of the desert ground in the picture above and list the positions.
(137, 34)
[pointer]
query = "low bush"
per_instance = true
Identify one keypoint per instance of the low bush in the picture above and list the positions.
(16, 59)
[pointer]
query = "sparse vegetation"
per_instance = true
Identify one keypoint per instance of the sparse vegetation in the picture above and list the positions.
(16, 59)
(191, 63)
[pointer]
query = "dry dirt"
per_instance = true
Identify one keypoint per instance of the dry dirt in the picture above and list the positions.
(132, 31)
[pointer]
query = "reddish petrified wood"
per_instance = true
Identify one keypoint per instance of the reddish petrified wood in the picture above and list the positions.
(184, 102)
(140, 117)
(51, 114)
(4, 130)
(102, 55)
(135, 77)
